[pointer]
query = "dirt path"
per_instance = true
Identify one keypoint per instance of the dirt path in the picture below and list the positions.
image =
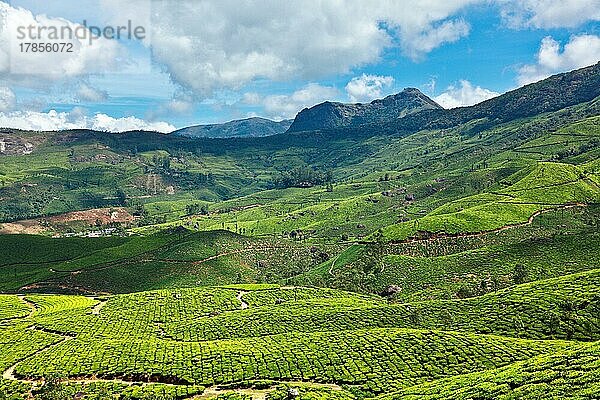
(260, 394)
(239, 297)
(333, 263)
(9, 374)
(209, 392)
(434, 236)
(31, 305)
(96, 309)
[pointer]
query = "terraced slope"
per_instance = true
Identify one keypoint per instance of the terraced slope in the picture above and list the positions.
(556, 308)
(12, 307)
(178, 341)
(548, 185)
(468, 238)
(573, 374)
(449, 267)
(167, 259)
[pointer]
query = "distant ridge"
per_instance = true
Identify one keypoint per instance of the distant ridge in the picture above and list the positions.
(250, 127)
(551, 94)
(411, 111)
(336, 115)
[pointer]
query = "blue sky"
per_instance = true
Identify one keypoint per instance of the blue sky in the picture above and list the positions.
(213, 61)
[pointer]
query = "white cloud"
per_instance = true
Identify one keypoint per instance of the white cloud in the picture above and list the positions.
(174, 106)
(425, 41)
(239, 42)
(287, 106)
(465, 94)
(7, 99)
(86, 92)
(103, 122)
(365, 88)
(549, 13)
(53, 121)
(251, 98)
(580, 51)
(99, 56)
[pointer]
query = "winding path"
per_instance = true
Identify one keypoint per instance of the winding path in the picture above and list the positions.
(209, 392)
(96, 309)
(9, 373)
(241, 294)
(333, 263)
(443, 235)
(31, 305)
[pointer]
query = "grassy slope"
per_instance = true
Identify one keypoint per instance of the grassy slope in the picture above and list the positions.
(171, 258)
(547, 185)
(555, 243)
(471, 195)
(557, 308)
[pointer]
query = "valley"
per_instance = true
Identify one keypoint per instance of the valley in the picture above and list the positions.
(390, 250)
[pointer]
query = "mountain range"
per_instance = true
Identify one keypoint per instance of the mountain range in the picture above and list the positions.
(334, 115)
(411, 110)
(249, 127)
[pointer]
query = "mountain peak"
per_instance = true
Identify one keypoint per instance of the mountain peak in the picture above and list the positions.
(329, 115)
(248, 127)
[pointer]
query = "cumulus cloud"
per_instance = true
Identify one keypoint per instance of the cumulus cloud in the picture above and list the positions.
(365, 88)
(97, 56)
(53, 121)
(549, 13)
(287, 106)
(580, 51)
(177, 106)
(86, 92)
(7, 99)
(465, 94)
(427, 40)
(103, 122)
(240, 42)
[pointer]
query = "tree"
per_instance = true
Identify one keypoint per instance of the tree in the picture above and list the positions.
(303, 177)
(192, 209)
(121, 197)
(519, 274)
(53, 389)
(374, 253)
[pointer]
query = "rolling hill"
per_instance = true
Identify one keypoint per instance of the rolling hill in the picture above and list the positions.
(250, 127)
(391, 250)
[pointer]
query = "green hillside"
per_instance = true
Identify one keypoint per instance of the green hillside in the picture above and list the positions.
(187, 339)
(572, 374)
(389, 253)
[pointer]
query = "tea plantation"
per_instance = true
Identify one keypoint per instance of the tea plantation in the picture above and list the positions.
(176, 343)
(449, 254)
